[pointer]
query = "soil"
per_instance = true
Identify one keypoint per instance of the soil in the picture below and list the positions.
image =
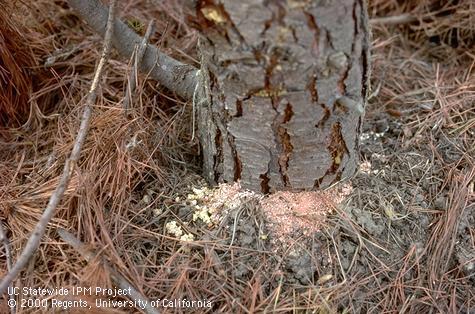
(377, 234)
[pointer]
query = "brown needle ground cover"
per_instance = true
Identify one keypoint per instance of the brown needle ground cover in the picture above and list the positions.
(403, 239)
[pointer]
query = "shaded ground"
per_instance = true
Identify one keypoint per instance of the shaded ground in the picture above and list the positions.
(403, 240)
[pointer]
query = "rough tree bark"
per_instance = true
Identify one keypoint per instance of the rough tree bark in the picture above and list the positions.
(286, 84)
(281, 93)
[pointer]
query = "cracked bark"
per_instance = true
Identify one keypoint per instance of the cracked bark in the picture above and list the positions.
(287, 87)
(281, 92)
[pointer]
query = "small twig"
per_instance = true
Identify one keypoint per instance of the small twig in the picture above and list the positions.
(338, 257)
(40, 228)
(8, 254)
(116, 277)
(209, 250)
(394, 20)
(132, 82)
(236, 219)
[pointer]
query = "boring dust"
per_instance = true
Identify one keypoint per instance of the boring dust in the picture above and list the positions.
(363, 228)
(270, 223)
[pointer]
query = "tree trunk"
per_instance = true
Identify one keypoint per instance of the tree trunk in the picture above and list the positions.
(287, 87)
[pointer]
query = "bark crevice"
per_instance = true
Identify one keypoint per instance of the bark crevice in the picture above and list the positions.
(287, 146)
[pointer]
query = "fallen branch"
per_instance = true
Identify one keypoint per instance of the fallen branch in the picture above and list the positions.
(174, 75)
(116, 277)
(40, 228)
(132, 81)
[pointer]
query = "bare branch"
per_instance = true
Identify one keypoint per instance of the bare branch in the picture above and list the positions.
(116, 277)
(34, 240)
(132, 82)
(174, 75)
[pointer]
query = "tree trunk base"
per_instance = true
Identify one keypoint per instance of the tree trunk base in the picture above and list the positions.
(286, 84)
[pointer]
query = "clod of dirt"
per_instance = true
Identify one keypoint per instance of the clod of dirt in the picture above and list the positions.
(347, 251)
(365, 220)
(300, 263)
(466, 258)
(440, 203)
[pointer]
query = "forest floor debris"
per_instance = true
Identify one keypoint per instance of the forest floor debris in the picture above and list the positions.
(402, 240)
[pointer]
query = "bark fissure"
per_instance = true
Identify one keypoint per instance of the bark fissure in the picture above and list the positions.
(265, 188)
(341, 82)
(287, 146)
(218, 158)
(272, 92)
(318, 182)
(312, 24)
(337, 147)
(329, 39)
(238, 108)
(237, 161)
(325, 117)
(313, 89)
